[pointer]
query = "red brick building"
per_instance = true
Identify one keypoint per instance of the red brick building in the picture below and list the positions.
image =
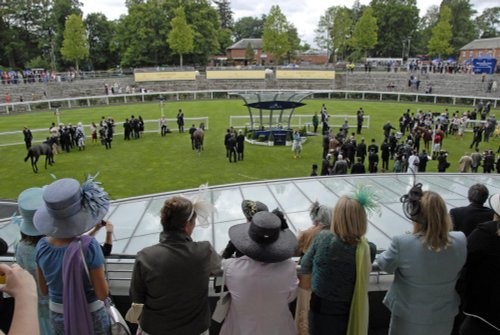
(236, 53)
(480, 47)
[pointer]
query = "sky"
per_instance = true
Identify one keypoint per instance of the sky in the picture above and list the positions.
(304, 14)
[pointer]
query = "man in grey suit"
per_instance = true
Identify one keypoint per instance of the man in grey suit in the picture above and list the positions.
(465, 219)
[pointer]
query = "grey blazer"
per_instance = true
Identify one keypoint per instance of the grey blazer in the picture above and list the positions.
(423, 289)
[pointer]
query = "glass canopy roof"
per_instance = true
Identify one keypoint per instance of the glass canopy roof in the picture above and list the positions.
(137, 220)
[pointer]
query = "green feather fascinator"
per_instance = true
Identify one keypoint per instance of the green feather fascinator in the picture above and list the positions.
(367, 197)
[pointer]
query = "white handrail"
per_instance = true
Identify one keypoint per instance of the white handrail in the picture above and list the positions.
(72, 103)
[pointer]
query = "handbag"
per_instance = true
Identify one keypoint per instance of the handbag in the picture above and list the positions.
(134, 313)
(223, 304)
(118, 324)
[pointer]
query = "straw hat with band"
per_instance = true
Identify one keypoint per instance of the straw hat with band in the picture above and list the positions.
(263, 239)
(69, 210)
(494, 203)
(28, 202)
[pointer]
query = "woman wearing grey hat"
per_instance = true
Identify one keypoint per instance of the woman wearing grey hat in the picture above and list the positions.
(262, 282)
(28, 202)
(71, 265)
(321, 217)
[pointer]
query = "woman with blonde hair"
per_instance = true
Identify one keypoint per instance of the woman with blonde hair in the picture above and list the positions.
(426, 265)
(340, 263)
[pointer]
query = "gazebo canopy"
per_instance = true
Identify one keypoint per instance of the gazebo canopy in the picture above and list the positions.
(272, 101)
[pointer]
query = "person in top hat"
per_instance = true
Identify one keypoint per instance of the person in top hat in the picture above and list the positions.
(249, 208)
(480, 276)
(68, 211)
(340, 263)
(28, 202)
(262, 282)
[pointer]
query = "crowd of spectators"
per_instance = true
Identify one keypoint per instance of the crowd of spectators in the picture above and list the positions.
(446, 262)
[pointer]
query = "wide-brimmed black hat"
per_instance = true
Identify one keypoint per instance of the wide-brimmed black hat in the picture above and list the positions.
(263, 239)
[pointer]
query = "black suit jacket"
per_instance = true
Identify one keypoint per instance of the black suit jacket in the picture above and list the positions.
(465, 219)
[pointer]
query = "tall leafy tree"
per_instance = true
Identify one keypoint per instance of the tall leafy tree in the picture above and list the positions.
(249, 53)
(249, 27)
(488, 23)
(141, 38)
(397, 22)
(439, 44)
(59, 12)
(75, 46)
(225, 13)
(364, 37)
(100, 33)
(424, 31)
(226, 24)
(334, 30)
(275, 39)
(181, 37)
(463, 28)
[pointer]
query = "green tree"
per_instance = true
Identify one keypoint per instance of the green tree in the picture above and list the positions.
(397, 22)
(141, 37)
(488, 23)
(75, 46)
(439, 44)
(462, 23)
(364, 37)
(100, 33)
(249, 27)
(294, 42)
(225, 13)
(424, 30)
(181, 37)
(334, 30)
(249, 53)
(275, 39)
(55, 26)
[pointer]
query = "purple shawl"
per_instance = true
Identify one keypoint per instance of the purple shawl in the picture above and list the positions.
(77, 318)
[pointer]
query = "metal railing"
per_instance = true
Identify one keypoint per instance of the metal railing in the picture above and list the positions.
(106, 100)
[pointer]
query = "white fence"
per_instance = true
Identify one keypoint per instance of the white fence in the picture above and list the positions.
(150, 126)
(105, 100)
(334, 121)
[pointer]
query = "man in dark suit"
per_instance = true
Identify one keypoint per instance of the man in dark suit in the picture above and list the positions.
(465, 219)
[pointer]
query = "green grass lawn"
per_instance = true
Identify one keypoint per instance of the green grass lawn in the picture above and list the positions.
(155, 164)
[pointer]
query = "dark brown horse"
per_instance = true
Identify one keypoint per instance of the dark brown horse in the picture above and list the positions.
(198, 137)
(38, 150)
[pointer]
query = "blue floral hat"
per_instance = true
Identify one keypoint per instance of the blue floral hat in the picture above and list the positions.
(69, 210)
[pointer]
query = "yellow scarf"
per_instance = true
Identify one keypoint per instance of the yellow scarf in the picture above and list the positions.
(358, 315)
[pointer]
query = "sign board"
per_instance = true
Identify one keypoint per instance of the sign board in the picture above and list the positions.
(242, 74)
(303, 74)
(484, 65)
(164, 76)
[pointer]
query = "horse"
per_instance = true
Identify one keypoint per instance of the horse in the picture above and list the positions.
(36, 151)
(198, 137)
